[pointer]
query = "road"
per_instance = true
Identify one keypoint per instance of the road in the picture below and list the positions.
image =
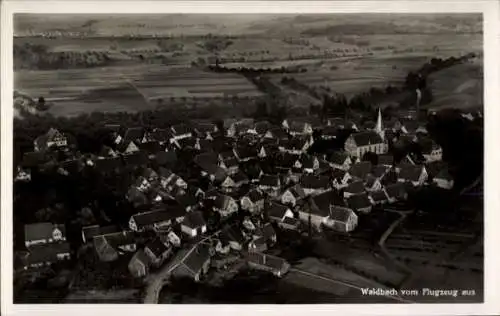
(347, 284)
(157, 280)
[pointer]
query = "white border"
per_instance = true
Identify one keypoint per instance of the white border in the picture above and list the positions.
(490, 10)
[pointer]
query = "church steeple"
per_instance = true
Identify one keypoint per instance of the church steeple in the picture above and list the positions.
(379, 128)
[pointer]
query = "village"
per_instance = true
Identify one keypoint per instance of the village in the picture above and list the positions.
(244, 185)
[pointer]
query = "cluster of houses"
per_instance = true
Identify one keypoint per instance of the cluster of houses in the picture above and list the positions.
(244, 183)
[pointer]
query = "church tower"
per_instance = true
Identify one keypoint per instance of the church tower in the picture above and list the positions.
(379, 129)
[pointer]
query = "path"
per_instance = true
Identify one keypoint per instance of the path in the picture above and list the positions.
(386, 235)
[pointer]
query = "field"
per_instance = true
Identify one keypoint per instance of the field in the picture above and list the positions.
(129, 88)
(349, 55)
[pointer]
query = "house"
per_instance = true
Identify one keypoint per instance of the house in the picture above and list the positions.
(225, 205)
(43, 255)
(443, 179)
(123, 241)
(372, 183)
(89, 232)
(181, 131)
(22, 175)
(386, 160)
(270, 184)
(230, 165)
(379, 197)
(161, 135)
(360, 203)
(194, 224)
(317, 210)
(299, 128)
(139, 264)
(330, 132)
(192, 263)
(267, 150)
(258, 244)
(142, 184)
(340, 160)
(133, 134)
(136, 197)
(158, 252)
(169, 180)
(53, 138)
(206, 130)
(259, 261)
(278, 212)
(295, 146)
(187, 201)
(43, 233)
(228, 185)
(313, 184)
(157, 218)
(355, 187)
(431, 151)
(238, 180)
(128, 148)
(292, 195)
(104, 250)
(166, 159)
(360, 170)
(358, 144)
(396, 192)
(234, 236)
(290, 223)
(262, 128)
(379, 171)
(309, 163)
(253, 201)
(342, 219)
(414, 174)
(340, 178)
(244, 153)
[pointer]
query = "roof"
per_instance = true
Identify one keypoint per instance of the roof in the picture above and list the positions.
(120, 238)
(233, 234)
(95, 230)
(410, 172)
(269, 180)
(277, 210)
(444, 174)
(361, 169)
(340, 214)
(160, 134)
(166, 157)
(285, 160)
(387, 160)
(324, 200)
(379, 171)
(135, 159)
(255, 195)
(205, 127)
(355, 187)
(38, 231)
(46, 253)
(194, 220)
(330, 130)
(32, 159)
(274, 262)
(297, 126)
(157, 247)
(338, 174)
(358, 201)
(262, 127)
(141, 256)
(296, 143)
(367, 138)
(291, 221)
(395, 190)
(307, 161)
(239, 177)
(151, 217)
(206, 158)
(378, 196)
(133, 134)
(338, 157)
(268, 231)
(152, 147)
(297, 191)
(222, 201)
(310, 181)
(195, 260)
(245, 152)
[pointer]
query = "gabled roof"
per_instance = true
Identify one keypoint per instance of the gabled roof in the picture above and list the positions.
(95, 230)
(395, 190)
(180, 129)
(161, 135)
(151, 217)
(262, 127)
(38, 231)
(255, 195)
(157, 247)
(152, 147)
(166, 157)
(410, 172)
(133, 134)
(239, 177)
(361, 169)
(233, 234)
(46, 253)
(269, 180)
(367, 138)
(340, 214)
(309, 181)
(324, 200)
(276, 210)
(444, 174)
(268, 231)
(307, 161)
(135, 159)
(194, 220)
(120, 238)
(338, 174)
(378, 196)
(245, 152)
(33, 159)
(387, 160)
(330, 131)
(206, 158)
(355, 187)
(379, 171)
(358, 201)
(297, 191)
(338, 157)
(284, 160)
(141, 256)
(222, 201)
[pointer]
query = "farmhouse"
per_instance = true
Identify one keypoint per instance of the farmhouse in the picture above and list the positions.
(278, 212)
(53, 138)
(318, 208)
(154, 219)
(313, 184)
(342, 219)
(192, 263)
(264, 262)
(194, 224)
(355, 187)
(360, 203)
(414, 174)
(43, 233)
(158, 252)
(443, 179)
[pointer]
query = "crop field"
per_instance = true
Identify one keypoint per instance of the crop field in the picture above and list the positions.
(128, 88)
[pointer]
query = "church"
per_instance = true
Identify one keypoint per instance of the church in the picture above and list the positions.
(367, 141)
